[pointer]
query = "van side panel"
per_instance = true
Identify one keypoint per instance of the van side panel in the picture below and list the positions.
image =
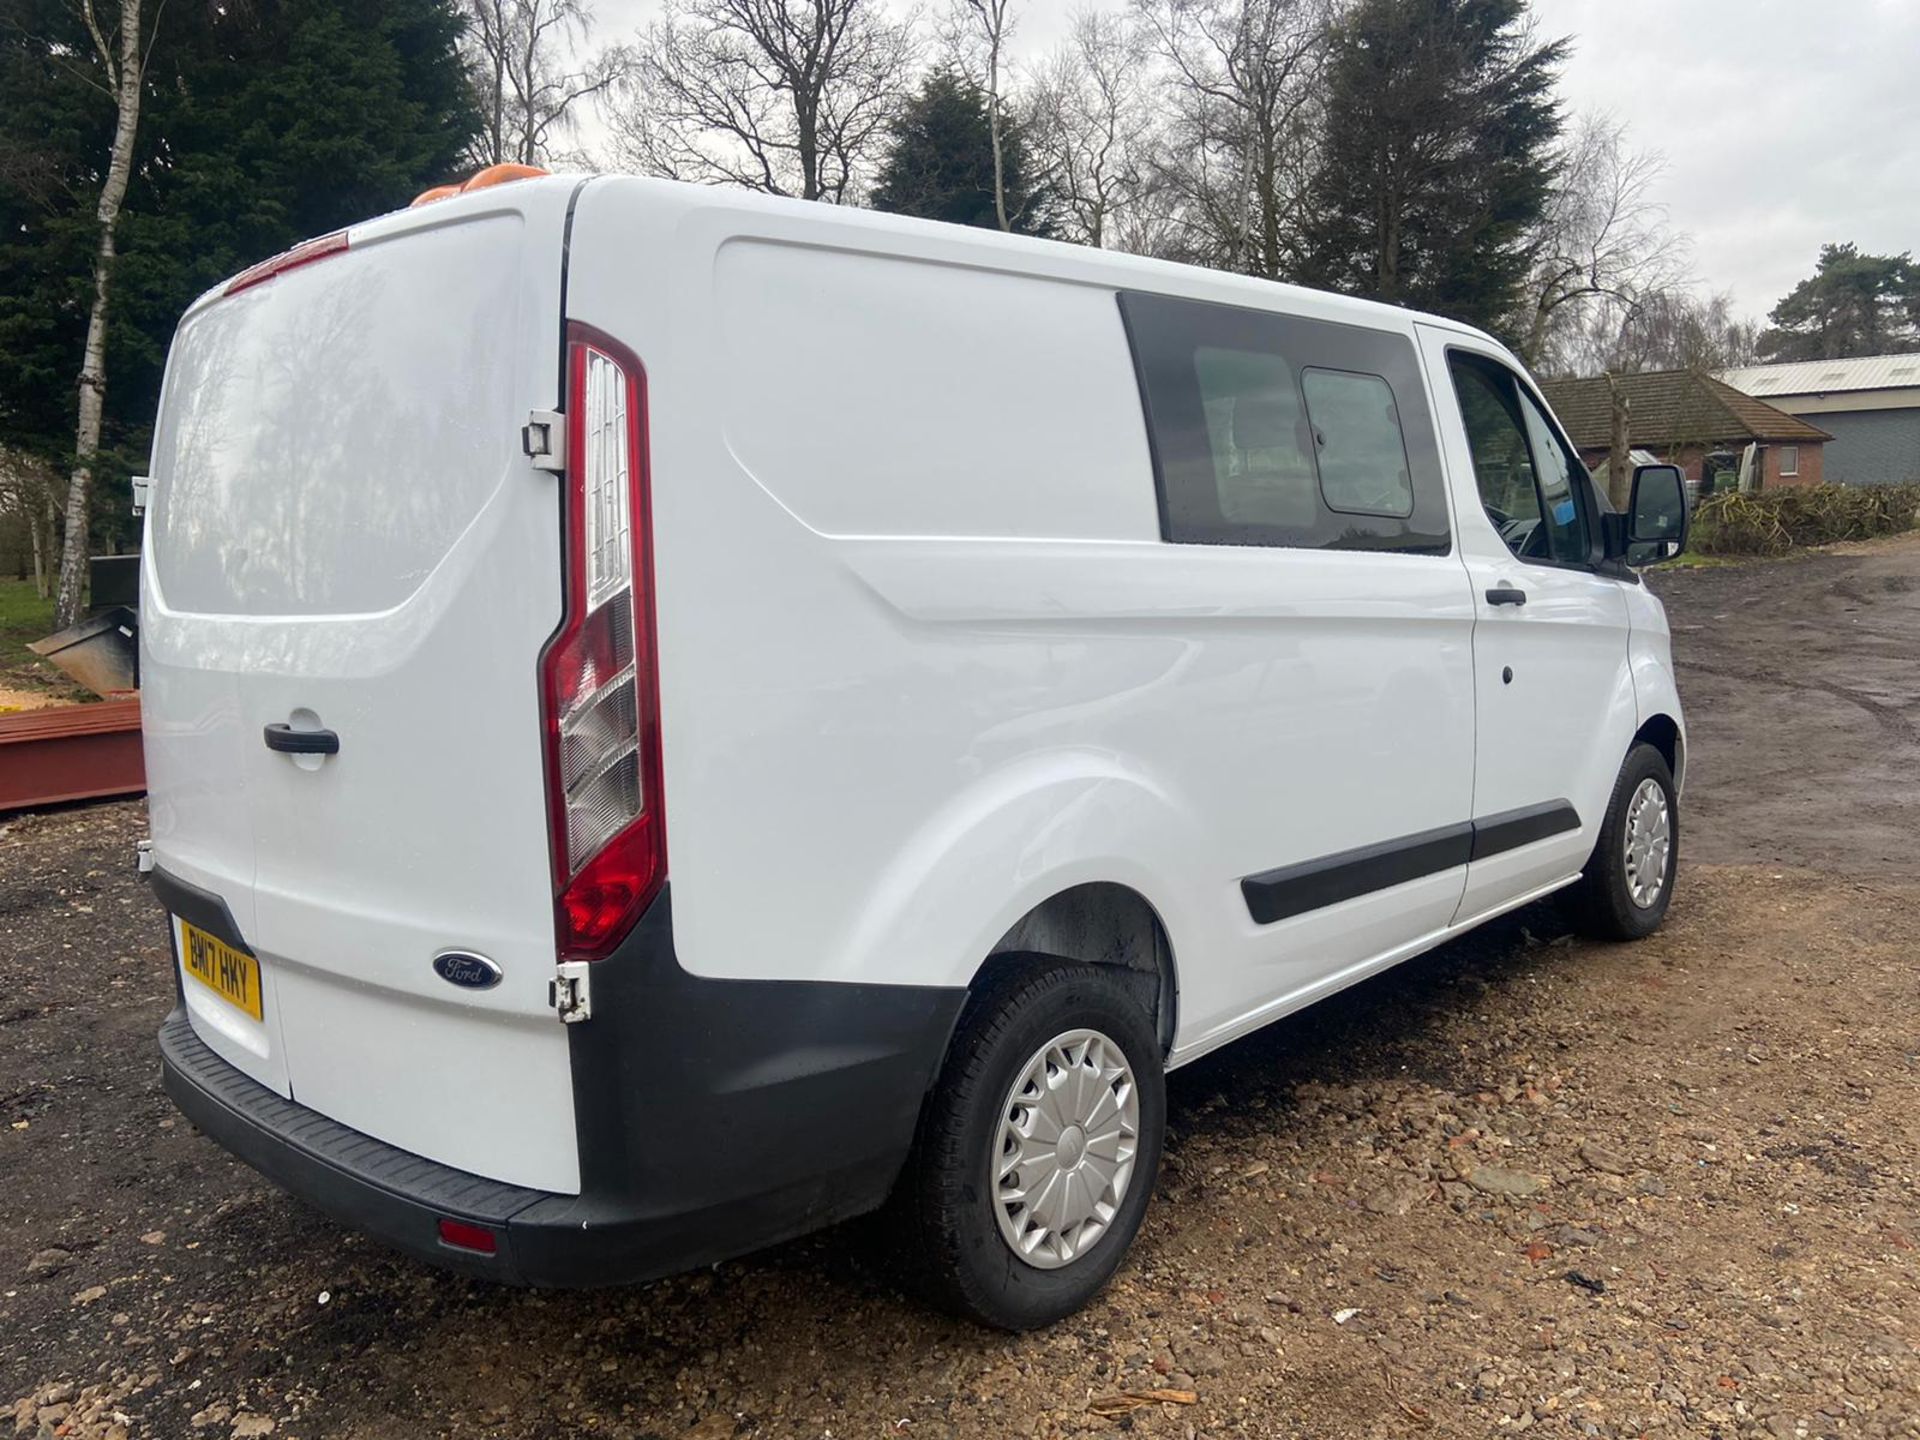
(926, 661)
(876, 395)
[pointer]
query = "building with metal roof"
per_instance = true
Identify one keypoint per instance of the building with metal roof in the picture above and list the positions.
(1869, 404)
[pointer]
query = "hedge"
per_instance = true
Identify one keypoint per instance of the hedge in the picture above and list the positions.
(1772, 522)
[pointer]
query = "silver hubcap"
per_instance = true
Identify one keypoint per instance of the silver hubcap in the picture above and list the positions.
(1649, 841)
(1069, 1131)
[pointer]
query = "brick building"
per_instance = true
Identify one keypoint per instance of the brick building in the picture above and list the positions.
(1683, 416)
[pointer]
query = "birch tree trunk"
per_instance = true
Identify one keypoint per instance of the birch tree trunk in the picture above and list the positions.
(530, 91)
(39, 558)
(45, 529)
(993, 129)
(499, 134)
(125, 74)
(994, 28)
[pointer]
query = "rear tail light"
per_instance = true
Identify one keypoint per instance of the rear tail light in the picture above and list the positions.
(599, 688)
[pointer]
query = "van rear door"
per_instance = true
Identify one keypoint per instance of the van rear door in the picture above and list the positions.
(345, 535)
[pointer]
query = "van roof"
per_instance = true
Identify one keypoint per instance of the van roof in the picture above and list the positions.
(1055, 258)
(928, 239)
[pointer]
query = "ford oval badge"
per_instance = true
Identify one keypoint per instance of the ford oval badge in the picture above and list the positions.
(467, 970)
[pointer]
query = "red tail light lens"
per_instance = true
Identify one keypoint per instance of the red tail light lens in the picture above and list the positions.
(599, 687)
(462, 1236)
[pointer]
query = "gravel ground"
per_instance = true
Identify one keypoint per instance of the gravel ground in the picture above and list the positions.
(1522, 1184)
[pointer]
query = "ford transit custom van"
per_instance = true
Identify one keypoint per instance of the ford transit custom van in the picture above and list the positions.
(675, 718)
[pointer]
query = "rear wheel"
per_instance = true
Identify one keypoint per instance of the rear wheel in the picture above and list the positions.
(1037, 1153)
(1628, 882)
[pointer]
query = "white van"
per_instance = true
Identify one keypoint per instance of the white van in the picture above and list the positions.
(673, 716)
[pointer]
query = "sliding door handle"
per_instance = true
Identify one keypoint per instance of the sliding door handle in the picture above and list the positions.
(1506, 595)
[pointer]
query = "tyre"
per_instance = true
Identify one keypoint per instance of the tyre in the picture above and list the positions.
(1037, 1149)
(1628, 882)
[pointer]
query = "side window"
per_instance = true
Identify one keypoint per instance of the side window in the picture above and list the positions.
(1275, 430)
(1502, 462)
(1257, 435)
(1363, 453)
(1524, 474)
(1555, 467)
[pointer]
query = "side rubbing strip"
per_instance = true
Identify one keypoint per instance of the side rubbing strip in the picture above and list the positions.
(1295, 889)
(1511, 829)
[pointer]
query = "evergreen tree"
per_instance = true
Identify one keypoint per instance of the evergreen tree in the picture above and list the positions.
(1853, 304)
(54, 132)
(1436, 159)
(940, 166)
(263, 124)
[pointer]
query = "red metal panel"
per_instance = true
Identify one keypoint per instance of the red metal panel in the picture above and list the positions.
(71, 752)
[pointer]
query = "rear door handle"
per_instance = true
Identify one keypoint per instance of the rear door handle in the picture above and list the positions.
(289, 741)
(1506, 595)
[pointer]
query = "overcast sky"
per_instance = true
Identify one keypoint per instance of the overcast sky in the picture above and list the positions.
(1785, 123)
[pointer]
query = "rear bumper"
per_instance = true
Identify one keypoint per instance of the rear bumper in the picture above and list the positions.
(372, 1186)
(714, 1117)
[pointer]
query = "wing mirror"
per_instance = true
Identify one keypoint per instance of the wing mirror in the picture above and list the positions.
(1655, 525)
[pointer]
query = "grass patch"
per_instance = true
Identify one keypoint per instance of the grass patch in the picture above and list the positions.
(25, 616)
(1688, 560)
(1774, 522)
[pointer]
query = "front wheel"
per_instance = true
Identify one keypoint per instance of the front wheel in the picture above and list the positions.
(1038, 1149)
(1628, 882)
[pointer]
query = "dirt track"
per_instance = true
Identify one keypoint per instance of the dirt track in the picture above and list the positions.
(1801, 680)
(1656, 1189)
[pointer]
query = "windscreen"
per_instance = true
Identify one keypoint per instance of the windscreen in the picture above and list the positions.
(327, 435)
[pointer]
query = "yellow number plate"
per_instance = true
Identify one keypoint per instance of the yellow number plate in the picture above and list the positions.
(231, 974)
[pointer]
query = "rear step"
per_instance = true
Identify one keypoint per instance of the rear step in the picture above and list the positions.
(363, 1182)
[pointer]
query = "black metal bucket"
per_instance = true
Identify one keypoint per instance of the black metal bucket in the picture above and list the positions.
(102, 652)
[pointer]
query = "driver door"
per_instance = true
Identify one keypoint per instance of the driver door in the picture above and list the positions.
(1554, 707)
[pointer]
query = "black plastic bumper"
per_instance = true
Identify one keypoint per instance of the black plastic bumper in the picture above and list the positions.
(714, 1117)
(370, 1185)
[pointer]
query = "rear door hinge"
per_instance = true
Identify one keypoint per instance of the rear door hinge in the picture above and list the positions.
(570, 992)
(544, 438)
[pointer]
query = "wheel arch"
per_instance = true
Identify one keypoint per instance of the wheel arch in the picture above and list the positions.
(1102, 923)
(1663, 732)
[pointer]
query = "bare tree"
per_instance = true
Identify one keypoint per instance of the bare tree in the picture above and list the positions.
(988, 24)
(1091, 125)
(124, 65)
(1240, 93)
(521, 55)
(1668, 330)
(1604, 244)
(792, 97)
